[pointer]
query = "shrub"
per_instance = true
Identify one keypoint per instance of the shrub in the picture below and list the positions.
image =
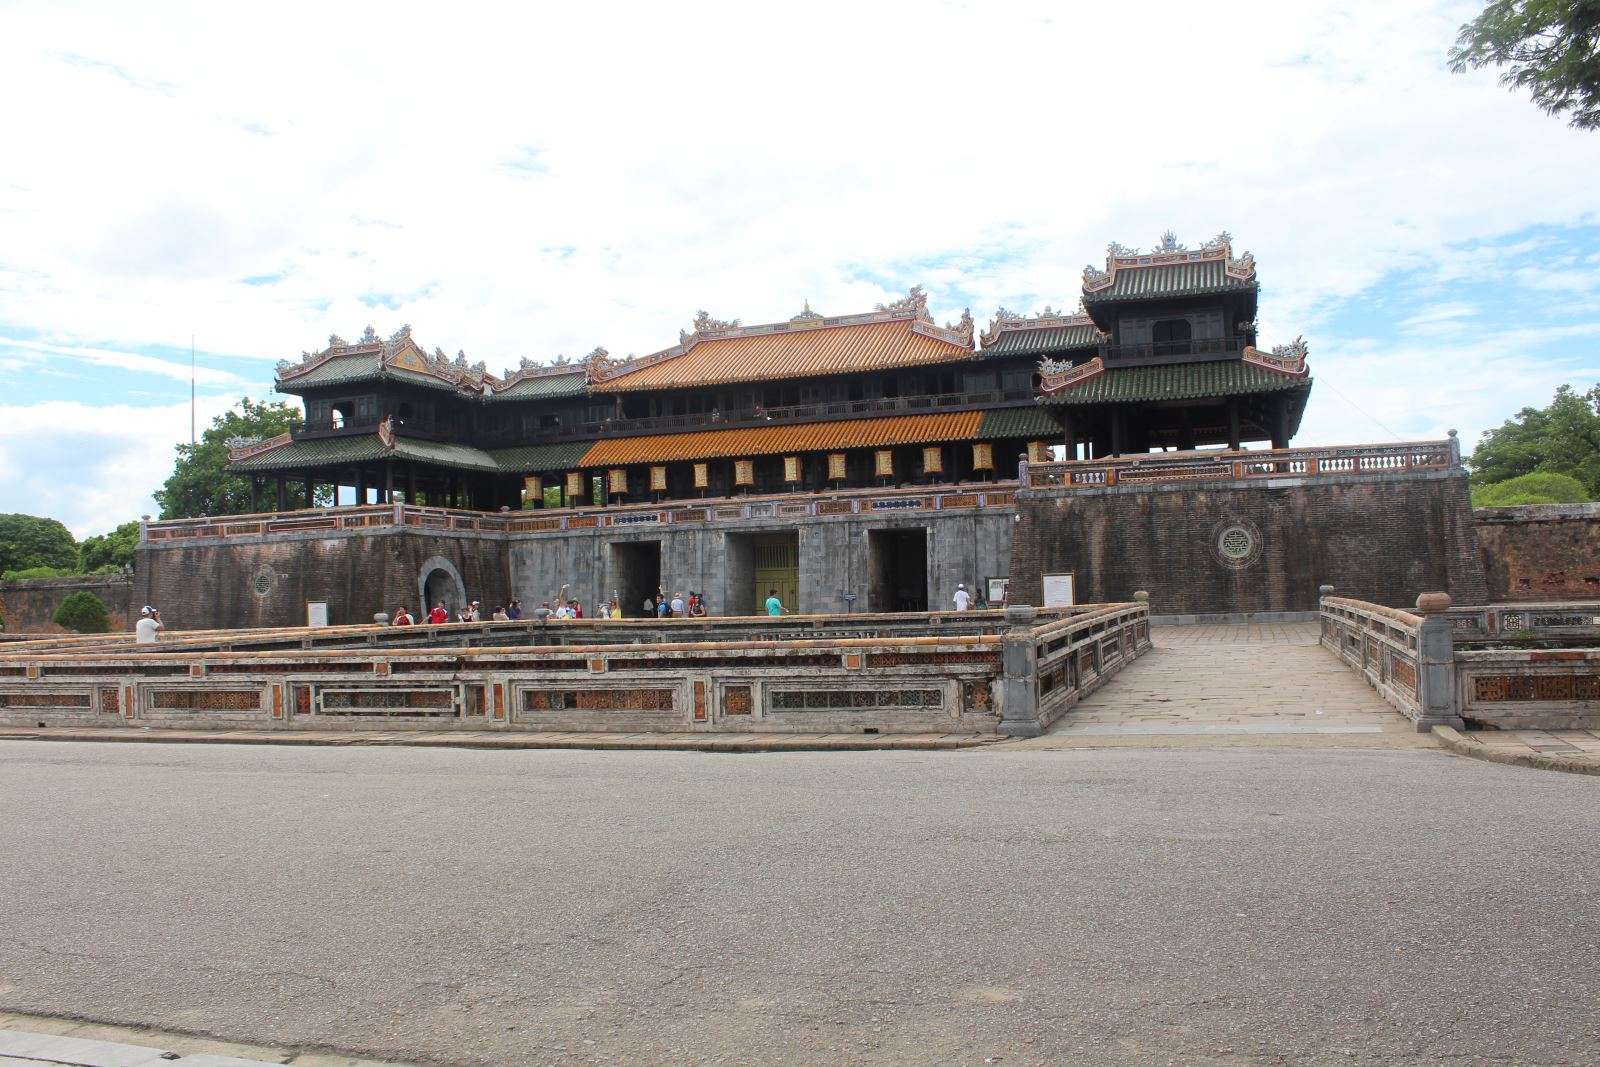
(83, 612)
(1540, 487)
(37, 572)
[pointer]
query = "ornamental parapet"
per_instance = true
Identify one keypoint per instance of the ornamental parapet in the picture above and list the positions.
(699, 512)
(1208, 466)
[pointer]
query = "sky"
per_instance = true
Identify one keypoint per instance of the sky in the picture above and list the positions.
(535, 180)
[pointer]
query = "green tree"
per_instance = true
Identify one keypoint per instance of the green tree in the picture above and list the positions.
(1563, 438)
(1549, 47)
(1541, 487)
(114, 549)
(29, 541)
(83, 611)
(200, 483)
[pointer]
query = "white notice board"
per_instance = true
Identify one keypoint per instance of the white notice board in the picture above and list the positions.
(316, 613)
(1058, 590)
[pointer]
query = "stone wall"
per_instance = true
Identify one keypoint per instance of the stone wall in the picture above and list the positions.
(1540, 552)
(29, 606)
(1253, 546)
(834, 559)
(267, 581)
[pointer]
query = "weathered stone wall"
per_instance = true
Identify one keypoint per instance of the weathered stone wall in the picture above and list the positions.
(253, 581)
(29, 605)
(963, 547)
(1378, 538)
(1540, 551)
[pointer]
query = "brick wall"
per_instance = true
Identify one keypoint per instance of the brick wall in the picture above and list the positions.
(250, 582)
(1378, 538)
(28, 606)
(1540, 551)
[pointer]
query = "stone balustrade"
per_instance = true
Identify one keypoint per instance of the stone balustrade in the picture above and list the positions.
(1157, 467)
(971, 672)
(700, 512)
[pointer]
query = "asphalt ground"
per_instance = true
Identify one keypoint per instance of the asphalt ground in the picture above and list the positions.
(992, 906)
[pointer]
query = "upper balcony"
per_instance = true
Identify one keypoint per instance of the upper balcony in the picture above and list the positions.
(1191, 350)
(759, 416)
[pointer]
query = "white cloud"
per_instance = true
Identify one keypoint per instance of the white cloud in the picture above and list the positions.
(91, 466)
(132, 361)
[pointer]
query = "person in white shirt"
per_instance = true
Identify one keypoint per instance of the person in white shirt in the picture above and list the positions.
(149, 624)
(962, 598)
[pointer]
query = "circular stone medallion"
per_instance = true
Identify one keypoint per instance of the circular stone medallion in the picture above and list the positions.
(262, 580)
(1236, 543)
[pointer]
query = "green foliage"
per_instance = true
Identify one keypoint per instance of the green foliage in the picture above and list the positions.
(200, 483)
(1541, 487)
(1563, 438)
(1549, 47)
(108, 552)
(83, 611)
(29, 541)
(24, 573)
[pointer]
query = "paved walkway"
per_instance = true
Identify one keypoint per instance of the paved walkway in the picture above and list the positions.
(45, 1041)
(1577, 751)
(1256, 684)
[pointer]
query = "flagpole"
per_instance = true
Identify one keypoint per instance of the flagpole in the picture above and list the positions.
(191, 390)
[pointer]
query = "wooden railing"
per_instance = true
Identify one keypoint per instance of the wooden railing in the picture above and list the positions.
(1156, 467)
(706, 511)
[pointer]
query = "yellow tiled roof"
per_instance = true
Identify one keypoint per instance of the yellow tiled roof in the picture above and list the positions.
(798, 353)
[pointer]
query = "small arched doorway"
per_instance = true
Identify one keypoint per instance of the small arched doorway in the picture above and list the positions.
(440, 582)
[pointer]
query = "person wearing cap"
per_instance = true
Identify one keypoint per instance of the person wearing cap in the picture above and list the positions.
(962, 598)
(149, 624)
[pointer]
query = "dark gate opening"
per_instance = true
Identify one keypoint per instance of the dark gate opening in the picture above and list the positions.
(636, 574)
(897, 570)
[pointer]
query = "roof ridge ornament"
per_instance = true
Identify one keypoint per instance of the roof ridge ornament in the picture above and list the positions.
(370, 336)
(962, 327)
(915, 302)
(807, 315)
(1168, 244)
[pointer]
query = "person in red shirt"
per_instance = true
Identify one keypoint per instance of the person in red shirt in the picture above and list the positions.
(438, 614)
(403, 618)
(577, 609)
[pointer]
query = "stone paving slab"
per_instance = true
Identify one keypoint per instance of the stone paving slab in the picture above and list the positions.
(1574, 751)
(47, 1041)
(676, 742)
(1250, 684)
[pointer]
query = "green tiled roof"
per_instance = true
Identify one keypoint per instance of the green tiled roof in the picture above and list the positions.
(531, 458)
(1178, 381)
(360, 448)
(1170, 279)
(1018, 422)
(543, 386)
(318, 452)
(1037, 341)
(338, 370)
(443, 454)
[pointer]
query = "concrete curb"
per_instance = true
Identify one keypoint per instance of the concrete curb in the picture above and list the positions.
(730, 743)
(1461, 745)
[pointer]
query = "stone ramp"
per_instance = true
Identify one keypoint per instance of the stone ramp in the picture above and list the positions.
(1258, 683)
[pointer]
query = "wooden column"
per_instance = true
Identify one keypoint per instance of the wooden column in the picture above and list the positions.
(411, 484)
(1233, 423)
(1069, 438)
(388, 481)
(361, 486)
(1119, 432)
(283, 494)
(1280, 425)
(311, 492)
(1185, 430)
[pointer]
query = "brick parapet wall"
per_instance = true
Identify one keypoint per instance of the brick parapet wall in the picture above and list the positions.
(29, 605)
(1540, 552)
(1382, 538)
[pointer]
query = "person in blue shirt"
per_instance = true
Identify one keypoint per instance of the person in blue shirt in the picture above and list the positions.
(774, 605)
